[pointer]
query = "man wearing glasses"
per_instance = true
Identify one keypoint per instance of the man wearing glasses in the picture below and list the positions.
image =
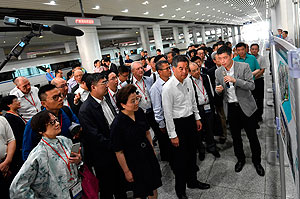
(95, 117)
(52, 99)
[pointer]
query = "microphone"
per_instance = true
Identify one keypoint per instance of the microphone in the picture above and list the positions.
(56, 29)
(225, 74)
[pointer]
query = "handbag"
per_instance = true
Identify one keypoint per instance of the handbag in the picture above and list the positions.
(89, 183)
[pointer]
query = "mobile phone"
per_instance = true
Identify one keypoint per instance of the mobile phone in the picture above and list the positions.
(75, 148)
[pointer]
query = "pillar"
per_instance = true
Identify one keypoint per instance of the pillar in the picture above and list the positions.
(216, 35)
(203, 35)
(176, 35)
(186, 34)
(227, 31)
(2, 54)
(145, 38)
(70, 46)
(222, 33)
(89, 47)
(157, 37)
(195, 35)
(239, 30)
(233, 31)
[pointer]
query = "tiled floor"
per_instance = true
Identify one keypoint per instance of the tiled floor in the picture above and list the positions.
(225, 182)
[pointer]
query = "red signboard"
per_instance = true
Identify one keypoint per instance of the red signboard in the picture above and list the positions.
(84, 21)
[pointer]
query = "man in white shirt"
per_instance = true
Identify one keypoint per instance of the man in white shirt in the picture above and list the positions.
(112, 89)
(123, 76)
(28, 96)
(234, 81)
(83, 90)
(183, 123)
(286, 38)
(78, 74)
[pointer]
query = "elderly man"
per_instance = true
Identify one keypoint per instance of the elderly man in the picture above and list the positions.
(52, 99)
(70, 99)
(112, 89)
(28, 96)
(83, 90)
(96, 116)
(78, 78)
(72, 82)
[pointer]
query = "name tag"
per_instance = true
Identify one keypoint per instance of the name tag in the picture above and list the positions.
(206, 107)
(76, 190)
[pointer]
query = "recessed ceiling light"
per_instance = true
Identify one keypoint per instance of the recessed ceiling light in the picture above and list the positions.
(146, 13)
(164, 6)
(51, 3)
(145, 3)
(197, 4)
(203, 14)
(186, 1)
(126, 10)
(173, 16)
(96, 8)
(208, 15)
(231, 5)
(188, 11)
(182, 17)
(207, 6)
(162, 14)
(202, 19)
(219, 10)
(213, 9)
(196, 13)
(178, 9)
(197, 19)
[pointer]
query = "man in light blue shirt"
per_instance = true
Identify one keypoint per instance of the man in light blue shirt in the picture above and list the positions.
(164, 71)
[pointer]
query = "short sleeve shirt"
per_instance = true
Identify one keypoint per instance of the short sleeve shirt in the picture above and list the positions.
(250, 59)
(6, 136)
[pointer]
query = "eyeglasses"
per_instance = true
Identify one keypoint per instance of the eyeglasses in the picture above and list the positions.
(56, 97)
(168, 68)
(104, 83)
(62, 86)
(113, 78)
(136, 100)
(53, 122)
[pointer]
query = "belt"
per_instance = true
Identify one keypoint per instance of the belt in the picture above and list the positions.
(234, 104)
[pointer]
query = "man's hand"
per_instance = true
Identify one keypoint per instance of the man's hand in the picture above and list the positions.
(129, 176)
(4, 167)
(163, 130)
(175, 141)
(77, 98)
(229, 79)
(75, 157)
(219, 89)
(199, 125)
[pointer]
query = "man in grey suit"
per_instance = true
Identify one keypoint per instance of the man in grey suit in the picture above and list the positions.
(234, 81)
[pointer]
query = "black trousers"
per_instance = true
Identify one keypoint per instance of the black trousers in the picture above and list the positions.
(184, 156)
(111, 182)
(207, 132)
(258, 95)
(162, 138)
(238, 120)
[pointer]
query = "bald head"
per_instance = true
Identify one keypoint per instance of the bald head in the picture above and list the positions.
(23, 85)
(61, 84)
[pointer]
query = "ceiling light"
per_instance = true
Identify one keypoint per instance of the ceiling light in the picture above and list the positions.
(145, 3)
(162, 14)
(164, 6)
(51, 3)
(196, 13)
(197, 19)
(173, 16)
(219, 10)
(231, 5)
(203, 14)
(213, 9)
(96, 8)
(208, 15)
(126, 10)
(223, 12)
(188, 11)
(178, 9)
(186, 1)
(207, 6)
(182, 17)
(197, 4)
(146, 13)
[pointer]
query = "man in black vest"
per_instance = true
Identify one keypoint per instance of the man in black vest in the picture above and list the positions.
(204, 99)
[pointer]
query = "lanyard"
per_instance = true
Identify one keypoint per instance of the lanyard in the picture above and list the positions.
(144, 89)
(51, 75)
(201, 90)
(112, 96)
(66, 161)
(32, 103)
(18, 115)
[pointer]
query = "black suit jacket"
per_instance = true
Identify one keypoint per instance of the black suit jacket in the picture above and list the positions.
(75, 88)
(75, 108)
(114, 68)
(96, 140)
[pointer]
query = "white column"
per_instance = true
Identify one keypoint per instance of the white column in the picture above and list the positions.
(239, 30)
(233, 31)
(70, 46)
(89, 47)
(274, 21)
(222, 33)
(145, 38)
(157, 37)
(176, 35)
(227, 30)
(203, 35)
(186, 34)
(216, 35)
(195, 35)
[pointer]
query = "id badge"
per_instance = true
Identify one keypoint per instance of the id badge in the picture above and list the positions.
(206, 107)
(76, 190)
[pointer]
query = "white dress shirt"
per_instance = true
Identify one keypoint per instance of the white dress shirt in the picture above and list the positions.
(231, 96)
(155, 93)
(200, 90)
(30, 103)
(178, 100)
(107, 112)
(112, 96)
(83, 93)
(145, 102)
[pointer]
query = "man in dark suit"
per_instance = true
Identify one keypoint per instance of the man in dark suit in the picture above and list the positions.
(95, 116)
(111, 66)
(234, 81)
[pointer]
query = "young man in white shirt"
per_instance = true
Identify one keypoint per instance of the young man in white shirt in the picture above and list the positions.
(183, 123)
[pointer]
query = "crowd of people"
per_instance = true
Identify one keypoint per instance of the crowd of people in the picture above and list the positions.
(186, 99)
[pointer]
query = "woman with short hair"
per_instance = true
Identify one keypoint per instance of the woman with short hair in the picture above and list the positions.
(49, 171)
(133, 145)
